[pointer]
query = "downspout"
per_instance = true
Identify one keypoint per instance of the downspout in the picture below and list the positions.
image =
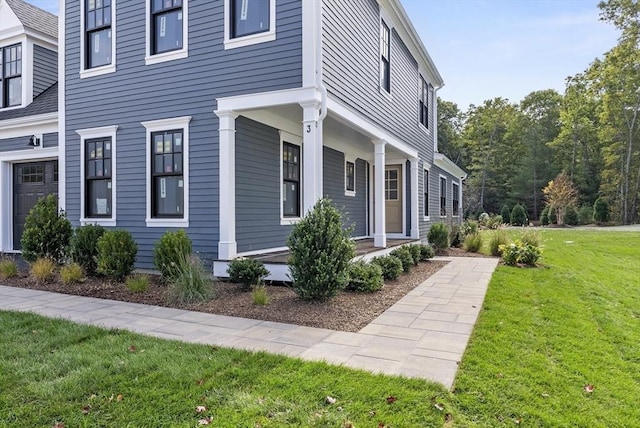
(319, 68)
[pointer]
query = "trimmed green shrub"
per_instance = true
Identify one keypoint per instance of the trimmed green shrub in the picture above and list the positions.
(321, 251)
(498, 239)
(518, 216)
(404, 255)
(553, 215)
(601, 211)
(473, 242)
(455, 236)
(544, 216)
(365, 277)
(247, 271)
(391, 266)
(426, 252)
(138, 283)
(585, 215)
(71, 274)
(415, 251)
(116, 254)
(47, 232)
(169, 250)
(191, 283)
(8, 268)
(570, 216)
(43, 269)
(505, 212)
(438, 236)
(84, 246)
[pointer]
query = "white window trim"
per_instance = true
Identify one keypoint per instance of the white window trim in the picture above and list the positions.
(252, 39)
(430, 94)
(291, 139)
(454, 196)
(26, 94)
(440, 177)
(88, 134)
(387, 21)
(352, 159)
(166, 125)
(104, 69)
(150, 59)
(428, 170)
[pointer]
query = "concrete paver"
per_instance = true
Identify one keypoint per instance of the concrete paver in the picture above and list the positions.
(422, 335)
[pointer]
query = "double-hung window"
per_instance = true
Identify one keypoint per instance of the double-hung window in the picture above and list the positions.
(11, 76)
(98, 170)
(424, 102)
(425, 192)
(248, 22)
(291, 192)
(98, 46)
(385, 57)
(350, 178)
(166, 26)
(443, 197)
(455, 189)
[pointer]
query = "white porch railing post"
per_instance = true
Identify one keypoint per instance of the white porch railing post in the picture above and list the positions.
(380, 234)
(227, 245)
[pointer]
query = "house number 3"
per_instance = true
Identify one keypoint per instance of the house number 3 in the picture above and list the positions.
(308, 129)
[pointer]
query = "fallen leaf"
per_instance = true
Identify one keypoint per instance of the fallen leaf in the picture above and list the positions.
(200, 409)
(391, 399)
(448, 417)
(348, 425)
(381, 425)
(439, 406)
(339, 408)
(58, 425)
(86, 409)
(132, 348)
(204, 421)
(589, 388)
(200, 381)
(372, 413)
(545, 395)
(111, 398)
(517, 421)
(330, 400)
(119, 397)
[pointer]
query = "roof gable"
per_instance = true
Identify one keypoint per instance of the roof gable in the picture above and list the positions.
(30, 17)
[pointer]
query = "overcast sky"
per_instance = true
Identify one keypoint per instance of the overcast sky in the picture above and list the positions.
(509, 48)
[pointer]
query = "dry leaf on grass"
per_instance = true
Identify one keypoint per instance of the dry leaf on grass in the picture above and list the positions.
(391, 399)
(589, 388)
(200, 409)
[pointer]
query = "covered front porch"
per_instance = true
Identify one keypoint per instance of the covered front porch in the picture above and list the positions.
(334, 153)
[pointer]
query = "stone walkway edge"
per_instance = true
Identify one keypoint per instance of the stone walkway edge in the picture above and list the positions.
(423, 335)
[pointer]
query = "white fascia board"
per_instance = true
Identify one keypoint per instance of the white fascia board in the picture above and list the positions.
(42, 40)
(41, 124)
(269, 99)
(446, 164)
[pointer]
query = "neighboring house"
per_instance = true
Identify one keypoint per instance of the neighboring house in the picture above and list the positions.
(231, 118)
(28, 114)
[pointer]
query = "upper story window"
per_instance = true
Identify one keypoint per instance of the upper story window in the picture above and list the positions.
(385, 57)
(455, 199)
(424, 102)
(248, 22)
(11, 76)
(166, 26)
(98, 33)
(443, 197)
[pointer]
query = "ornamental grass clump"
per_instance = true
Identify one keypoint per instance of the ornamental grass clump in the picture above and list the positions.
(43, 269)
(259, 295)
(499, 238)
(138, 283)
(439, 237)
(320, 253)
(71, 274)
(8, 268)
(473, 242)
(192, 283)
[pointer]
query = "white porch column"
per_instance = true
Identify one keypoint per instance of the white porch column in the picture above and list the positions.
(380, 234)
(415, 210)
(227, 246)
(311, 155)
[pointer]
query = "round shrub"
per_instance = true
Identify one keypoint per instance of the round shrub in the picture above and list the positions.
(404, 255)
(426, 252)
(169, 250)
(320, 253)
(116, 254)
(505, 212)
(518, 216)
(473, 242)
(391, 266)
(483, 218)
(414, 249)
(47, 232)
(544, 216)
(365, 277)
(585, 215)
(438, 236)
(553, 215)
(84, 246)
(247, 271)
(570, 216)
(601, 211)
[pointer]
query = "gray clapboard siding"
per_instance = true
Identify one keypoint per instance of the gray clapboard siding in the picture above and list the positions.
(50, 140)
(184, 87)
(45, 69)
(434, 197)
(17, 143)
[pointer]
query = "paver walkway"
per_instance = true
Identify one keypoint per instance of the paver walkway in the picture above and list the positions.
(423, 335)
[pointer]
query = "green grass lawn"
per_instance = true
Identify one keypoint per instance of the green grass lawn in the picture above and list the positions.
(543, 335)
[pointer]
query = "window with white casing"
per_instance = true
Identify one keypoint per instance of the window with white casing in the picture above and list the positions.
(248, 22)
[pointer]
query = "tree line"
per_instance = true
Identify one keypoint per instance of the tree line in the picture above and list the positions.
(590, 133)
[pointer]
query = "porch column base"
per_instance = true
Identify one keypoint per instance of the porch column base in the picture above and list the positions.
(227, 250)
(380, 240)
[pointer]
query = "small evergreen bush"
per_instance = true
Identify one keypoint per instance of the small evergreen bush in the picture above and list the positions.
(426, 252)
(473, 242)
(43, 269)
(585, 215)
(169, 250)
(321, 251)
(483, 218)
(247, 271)
(47, 232)
(391, 266)
(404, 255)
(544, 216)
(570, 216)
(259, 295)
(518, 216)
(8, 268)
(498, 239)
(365, 277)
(71, 274)
(192, 283)
(438, 236)
(415, 251)
(116, 254)
(601, 211)
(505, 212)
(138, 283)
(553, 215)
(84, 246)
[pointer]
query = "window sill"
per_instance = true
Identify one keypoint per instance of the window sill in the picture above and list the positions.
(167, 222)
(426, 218)
(97, 71)
(289, 221)
(252, 39)
(98, 221)
(350, 193)
(166, 56)
(385, 94)
(424, 128)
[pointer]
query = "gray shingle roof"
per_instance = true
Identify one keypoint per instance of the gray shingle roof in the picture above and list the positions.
(35, 18)
(46, 102)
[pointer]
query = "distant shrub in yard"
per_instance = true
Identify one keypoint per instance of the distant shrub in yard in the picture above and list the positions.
(47, 232)
(43, 269)
(585, 215)
(426, 252)
(544, 216)
(553, 215)
(247, 271)
(498, 239)
(116, 254)
(391, 266)
(518, 216)
(8, 268)
(570, 216)
(365, 277)
(84, 246)
(505, 213)
(169, 250)
(138, 283)
(320, 253)
(438, 236)
(404, 255)
(191, 283)
(473, 242)
(71, 274)
(495, 222)
(601, 211)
